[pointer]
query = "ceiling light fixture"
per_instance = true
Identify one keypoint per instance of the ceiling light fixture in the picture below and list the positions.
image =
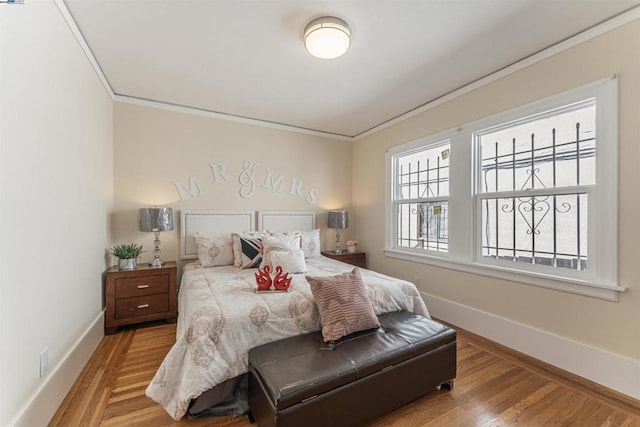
(327, 37)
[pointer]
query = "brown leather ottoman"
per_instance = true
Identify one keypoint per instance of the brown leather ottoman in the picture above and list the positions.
(303, 381)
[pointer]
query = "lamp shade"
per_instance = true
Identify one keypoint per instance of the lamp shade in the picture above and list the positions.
(155, 219)
(338, 219)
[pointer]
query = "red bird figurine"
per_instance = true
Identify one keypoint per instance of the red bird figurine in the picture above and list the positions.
(282, 281)
(263, 279)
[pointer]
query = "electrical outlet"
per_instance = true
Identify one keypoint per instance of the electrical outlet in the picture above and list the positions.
(44, 362)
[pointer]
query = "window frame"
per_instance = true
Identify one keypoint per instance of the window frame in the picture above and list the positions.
(431, 143)
(600, 280)
(584, 189)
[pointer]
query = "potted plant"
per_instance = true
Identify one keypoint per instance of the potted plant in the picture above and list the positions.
(127, 254)
(351, 246)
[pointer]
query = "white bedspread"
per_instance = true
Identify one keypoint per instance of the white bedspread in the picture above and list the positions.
(221, 317)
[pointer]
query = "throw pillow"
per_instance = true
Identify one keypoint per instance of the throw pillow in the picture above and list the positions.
(214, 250)
(343, 304)
(281, 243)
(311, 243)
(253, 246)
(291, 261)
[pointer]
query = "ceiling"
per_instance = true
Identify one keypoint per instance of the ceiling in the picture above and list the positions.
(245, 58)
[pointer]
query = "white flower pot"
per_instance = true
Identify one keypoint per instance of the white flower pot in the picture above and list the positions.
(351, 249)
(127, 264)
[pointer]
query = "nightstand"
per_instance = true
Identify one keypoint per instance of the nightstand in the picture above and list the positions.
(140, 295)
(359, 259)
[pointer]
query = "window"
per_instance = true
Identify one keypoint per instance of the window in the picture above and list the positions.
(523, 195)
(421, 198)
(534, 184)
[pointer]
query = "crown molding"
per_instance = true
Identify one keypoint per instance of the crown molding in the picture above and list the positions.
(586, 35)
(595, 31)
(224, 116)
(71, 23)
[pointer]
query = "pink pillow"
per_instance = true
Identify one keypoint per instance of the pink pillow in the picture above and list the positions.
(343, 303)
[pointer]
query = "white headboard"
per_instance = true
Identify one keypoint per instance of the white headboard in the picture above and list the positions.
(212, 222)
(208, 221)
(286, 220)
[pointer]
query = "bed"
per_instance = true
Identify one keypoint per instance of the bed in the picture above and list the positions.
(221, 316)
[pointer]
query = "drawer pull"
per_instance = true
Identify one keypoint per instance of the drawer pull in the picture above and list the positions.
(143, 306)
(143, 286)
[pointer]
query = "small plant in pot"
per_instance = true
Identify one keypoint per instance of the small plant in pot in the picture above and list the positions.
(127, 254)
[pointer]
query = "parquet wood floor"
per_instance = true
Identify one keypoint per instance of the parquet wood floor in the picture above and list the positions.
(495, 386)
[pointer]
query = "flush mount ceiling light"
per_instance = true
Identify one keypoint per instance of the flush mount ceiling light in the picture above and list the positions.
(327, 37)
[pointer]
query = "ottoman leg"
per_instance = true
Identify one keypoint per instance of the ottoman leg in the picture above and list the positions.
(448, 385)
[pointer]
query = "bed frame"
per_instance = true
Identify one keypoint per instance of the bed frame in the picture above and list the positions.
(212, 221)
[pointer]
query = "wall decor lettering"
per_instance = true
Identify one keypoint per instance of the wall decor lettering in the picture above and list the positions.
(247, 178)
(188, 193)
(247, 184)
(219, 171)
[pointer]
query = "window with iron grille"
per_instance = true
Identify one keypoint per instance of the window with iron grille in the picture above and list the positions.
(535, 176)
(528, 195)
(421, 198)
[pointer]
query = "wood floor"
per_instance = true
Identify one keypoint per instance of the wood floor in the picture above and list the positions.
(496, 386)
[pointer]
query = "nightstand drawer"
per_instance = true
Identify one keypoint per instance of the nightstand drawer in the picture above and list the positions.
(141, 306)
(139, 286)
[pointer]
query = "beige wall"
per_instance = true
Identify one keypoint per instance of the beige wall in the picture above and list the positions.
(155, 148)
(614, 327)
(56, 183)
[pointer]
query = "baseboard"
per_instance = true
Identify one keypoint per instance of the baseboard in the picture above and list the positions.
(608, 369)
(45, 401)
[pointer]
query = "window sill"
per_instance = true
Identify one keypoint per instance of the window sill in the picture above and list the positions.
(579, 287)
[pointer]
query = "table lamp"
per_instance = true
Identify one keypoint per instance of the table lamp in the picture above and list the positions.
(156, 220)
(338, 220)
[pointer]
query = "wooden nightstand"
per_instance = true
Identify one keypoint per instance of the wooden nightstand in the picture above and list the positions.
(140, 295)
(359, 259)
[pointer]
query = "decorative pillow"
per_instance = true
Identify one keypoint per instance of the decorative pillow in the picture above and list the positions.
(343, 303)
(247, 249)
(281, 243)
(311, 243)
(290, 261)
(214, 249)
(284, 233)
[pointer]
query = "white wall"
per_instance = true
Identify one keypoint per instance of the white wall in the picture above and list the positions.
(56, 189)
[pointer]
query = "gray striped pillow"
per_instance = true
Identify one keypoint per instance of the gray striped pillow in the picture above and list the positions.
(343, 303)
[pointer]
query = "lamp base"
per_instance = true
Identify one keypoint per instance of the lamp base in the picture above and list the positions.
(157, 263)
(338, 249)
